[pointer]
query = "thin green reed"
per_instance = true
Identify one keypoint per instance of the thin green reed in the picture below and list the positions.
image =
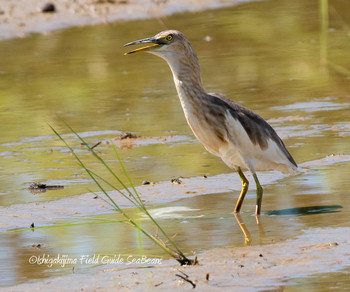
(131, 195)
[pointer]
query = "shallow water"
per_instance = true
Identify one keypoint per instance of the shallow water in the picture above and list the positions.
(338, 281)
(271, 56)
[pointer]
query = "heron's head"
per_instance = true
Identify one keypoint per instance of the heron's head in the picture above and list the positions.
(167, 44)
(176, 49)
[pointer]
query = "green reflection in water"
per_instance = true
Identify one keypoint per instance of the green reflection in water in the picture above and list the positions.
(277, 57)
(336, 281)
(263, 54)
(200, 223)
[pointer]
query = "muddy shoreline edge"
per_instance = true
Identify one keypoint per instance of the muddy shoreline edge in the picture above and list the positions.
(20, 18)
(316, 251)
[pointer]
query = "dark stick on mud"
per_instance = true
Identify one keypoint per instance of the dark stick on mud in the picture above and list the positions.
(43, 187)
(98, 143)
(185, 278)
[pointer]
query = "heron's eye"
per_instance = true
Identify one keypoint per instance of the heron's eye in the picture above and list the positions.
(169, 38)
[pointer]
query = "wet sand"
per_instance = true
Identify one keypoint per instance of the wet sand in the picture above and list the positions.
(20, 216)
(244, 269)
(250, 268)
(19, 18)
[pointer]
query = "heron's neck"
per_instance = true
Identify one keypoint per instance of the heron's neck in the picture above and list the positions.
(188, 81)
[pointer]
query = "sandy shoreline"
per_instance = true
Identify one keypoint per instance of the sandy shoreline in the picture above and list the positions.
(250, 268)
(20, 216)
(245, 269)
(19, 18)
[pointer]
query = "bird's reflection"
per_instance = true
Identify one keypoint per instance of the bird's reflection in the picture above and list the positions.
(302, 211)
(247, 236)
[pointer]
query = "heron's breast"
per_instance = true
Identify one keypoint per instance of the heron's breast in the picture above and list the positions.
(210, 134)
(206, 126)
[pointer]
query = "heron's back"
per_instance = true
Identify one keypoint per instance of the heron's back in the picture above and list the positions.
(237, 135)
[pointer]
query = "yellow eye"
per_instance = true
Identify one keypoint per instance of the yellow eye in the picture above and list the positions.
(169, 38)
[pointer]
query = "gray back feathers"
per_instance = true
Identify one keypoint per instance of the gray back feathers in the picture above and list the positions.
(258, 130)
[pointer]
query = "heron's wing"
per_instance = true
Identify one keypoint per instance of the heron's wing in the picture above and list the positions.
(258, 130)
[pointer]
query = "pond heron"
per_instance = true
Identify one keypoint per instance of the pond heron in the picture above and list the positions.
(242, 139)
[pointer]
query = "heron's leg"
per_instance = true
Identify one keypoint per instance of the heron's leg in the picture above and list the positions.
(259, 195)
(245, 185)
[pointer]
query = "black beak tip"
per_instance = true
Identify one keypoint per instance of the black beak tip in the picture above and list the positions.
(128, 44)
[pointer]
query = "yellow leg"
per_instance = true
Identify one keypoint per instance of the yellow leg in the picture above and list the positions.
(259, 195)
(245, 185)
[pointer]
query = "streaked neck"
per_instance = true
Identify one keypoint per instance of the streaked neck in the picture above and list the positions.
(187, 76)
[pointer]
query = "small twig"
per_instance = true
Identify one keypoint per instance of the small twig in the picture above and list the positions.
(36, 188)
(185, 278)
(98, 143)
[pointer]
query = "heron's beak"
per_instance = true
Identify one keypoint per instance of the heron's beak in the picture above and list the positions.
(154, 42)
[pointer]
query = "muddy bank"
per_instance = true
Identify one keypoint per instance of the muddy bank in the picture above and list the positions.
(250, 268)
(18, 18)
(46, 213)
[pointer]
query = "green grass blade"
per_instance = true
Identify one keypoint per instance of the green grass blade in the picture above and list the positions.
(99, 158)
(135, 203)
(136, 200)
(126, 173)
(139, 199)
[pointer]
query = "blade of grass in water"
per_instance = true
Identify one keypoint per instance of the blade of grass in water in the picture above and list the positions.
(143, 206)
(138, 202)
(132, 196)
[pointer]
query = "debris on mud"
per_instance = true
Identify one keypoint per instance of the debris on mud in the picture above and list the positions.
(177, 181)
(128, 140)
(128, 135)
(48, 8)
(38, 246)
(151, 183)
(98, 143)
(185, 277)
(39, 187)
